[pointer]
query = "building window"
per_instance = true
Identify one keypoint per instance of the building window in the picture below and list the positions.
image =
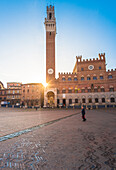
(101, 77)
(76, 100)
(99, 67)
(96, 100)
(88, 78)
(64, 91)
(109, 76)
(89, 90)
(94, 78)
(28, 91)
(69, 90)
(90, 100)
(23, 91)
(50, 15)
(69, 78)
(70, 101)
(103, 100)
(83, 100)
(112, 100)
(82, 90)
(82, 78)
(63, 79)
(82, 69)
(111, 89)
(102, 90)
(75, 78)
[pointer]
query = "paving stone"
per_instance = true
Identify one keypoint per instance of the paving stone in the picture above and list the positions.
(68, 144)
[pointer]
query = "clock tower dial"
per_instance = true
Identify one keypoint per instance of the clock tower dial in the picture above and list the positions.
(50, 71)
(50, 26)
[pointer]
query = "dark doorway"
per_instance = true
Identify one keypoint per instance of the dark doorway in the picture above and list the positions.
(64, 102)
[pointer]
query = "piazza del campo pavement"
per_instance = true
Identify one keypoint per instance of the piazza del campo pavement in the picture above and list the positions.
(42, 128)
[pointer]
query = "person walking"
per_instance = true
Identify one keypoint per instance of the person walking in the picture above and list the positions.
(83, 113)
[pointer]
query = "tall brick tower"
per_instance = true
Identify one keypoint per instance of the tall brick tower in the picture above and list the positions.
(50, 26)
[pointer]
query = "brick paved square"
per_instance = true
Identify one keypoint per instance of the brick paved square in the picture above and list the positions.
(68, 143)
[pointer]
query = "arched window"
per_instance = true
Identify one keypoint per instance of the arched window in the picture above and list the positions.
(112, 100)
(102, 89)
(76, 100)
(90, 100)
(103, 100)
(82, 78)
(75, 78)
(94, 77)
(50, 15)
(69, 78)
(101, 77)
(88, 78)
(111, 89)
(63, 78)
(109, 76)
(83, 100)
(96, 100)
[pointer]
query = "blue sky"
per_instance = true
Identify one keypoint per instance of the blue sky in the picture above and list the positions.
(84, 27)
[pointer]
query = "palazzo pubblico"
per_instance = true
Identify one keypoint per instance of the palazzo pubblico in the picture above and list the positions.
(89, 83)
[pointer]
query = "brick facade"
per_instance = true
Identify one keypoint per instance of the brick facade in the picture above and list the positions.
(32, 94)
(89, 83)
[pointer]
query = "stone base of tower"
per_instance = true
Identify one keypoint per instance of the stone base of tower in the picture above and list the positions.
(50, 97)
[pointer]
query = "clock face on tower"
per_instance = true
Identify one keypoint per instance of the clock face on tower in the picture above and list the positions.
(50, 71)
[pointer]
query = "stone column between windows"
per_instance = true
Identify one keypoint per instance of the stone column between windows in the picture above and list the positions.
(67, 102)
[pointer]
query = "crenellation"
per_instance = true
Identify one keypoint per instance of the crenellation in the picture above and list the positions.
(111, 70)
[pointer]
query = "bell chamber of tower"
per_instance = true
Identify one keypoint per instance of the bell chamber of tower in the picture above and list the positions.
(50, 26)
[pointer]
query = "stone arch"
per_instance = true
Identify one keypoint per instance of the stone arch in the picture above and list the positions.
(50, 98)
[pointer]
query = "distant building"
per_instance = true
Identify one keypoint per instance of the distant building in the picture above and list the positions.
(13, 93)
(32, 94)
(2, 92)
(89, 83)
